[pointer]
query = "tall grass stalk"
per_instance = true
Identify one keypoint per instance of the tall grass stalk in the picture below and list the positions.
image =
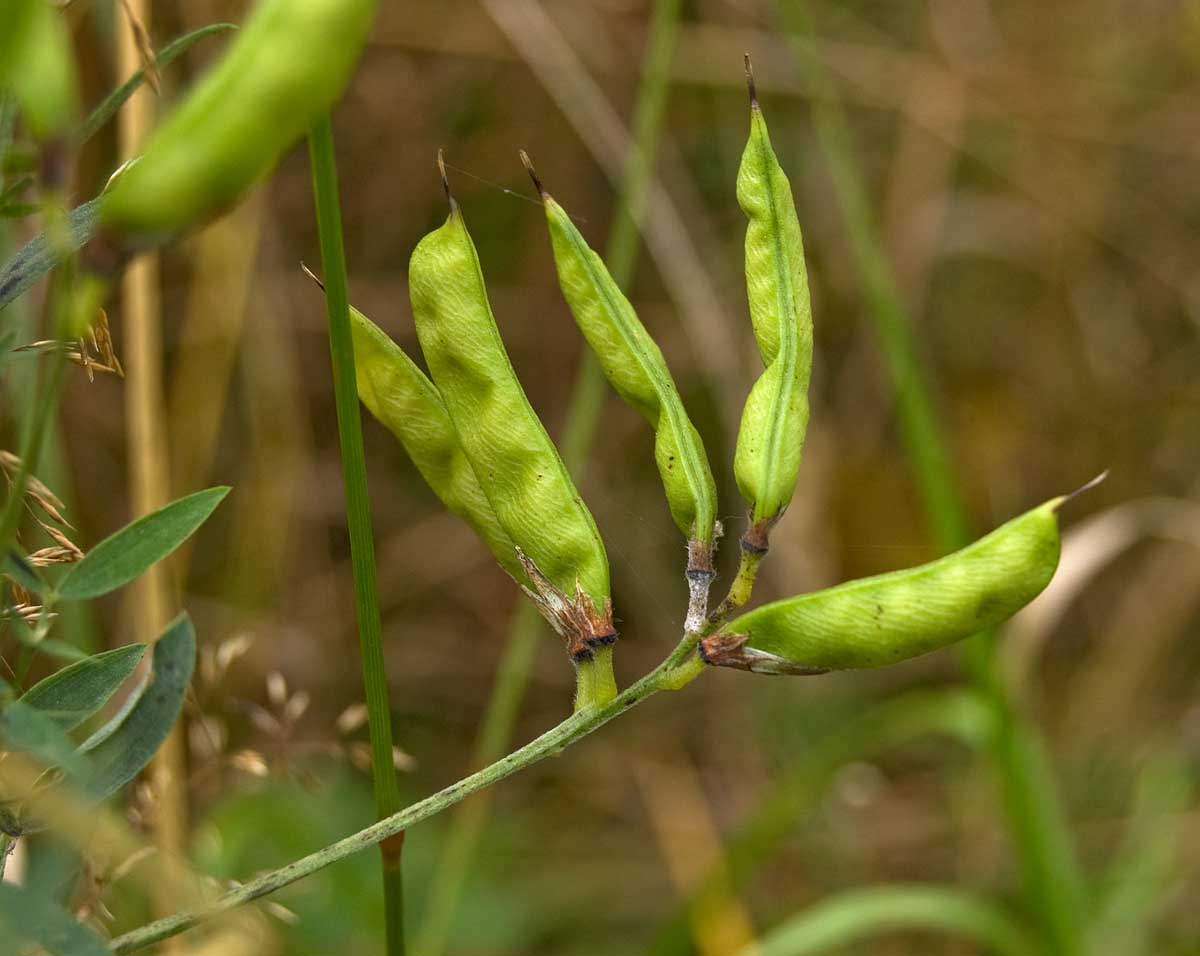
(583, 412)
(1053, 880)
(358, 518)
(146, 440)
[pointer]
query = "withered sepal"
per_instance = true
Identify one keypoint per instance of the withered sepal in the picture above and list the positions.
(730, 650)
(584, 626)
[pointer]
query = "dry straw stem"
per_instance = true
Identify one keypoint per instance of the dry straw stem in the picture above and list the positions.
(145, 435)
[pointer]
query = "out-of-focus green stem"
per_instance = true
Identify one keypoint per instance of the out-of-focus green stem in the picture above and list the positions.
(358, 519)
(855, 915)
(1053, 880)
(583, 412)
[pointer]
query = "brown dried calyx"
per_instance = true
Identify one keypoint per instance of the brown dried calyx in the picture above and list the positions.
(757, 538)
(584, 626)
(730, 650)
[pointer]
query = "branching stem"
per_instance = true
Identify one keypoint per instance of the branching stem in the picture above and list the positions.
(676, 671)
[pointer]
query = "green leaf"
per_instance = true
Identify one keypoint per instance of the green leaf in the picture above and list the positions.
(113, 724)
(51, 647)
(120, 558)
(37, 257)
(25, 728)
(16, 566)
(29, 919)
(113, 102)
(76, 692)
(131, 746)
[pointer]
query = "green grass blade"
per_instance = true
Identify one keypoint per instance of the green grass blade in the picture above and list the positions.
(108, 107)
(358, 516)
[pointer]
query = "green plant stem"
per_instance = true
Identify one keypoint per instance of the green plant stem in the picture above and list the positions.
(358, 518)
(583, 412)
(1053, 880)
(856, 915)
(578, 725)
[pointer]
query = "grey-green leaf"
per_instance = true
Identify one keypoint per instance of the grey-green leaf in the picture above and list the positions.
(37, 257)
(18, 567)
(25, 728)
(119, 758)
(72, 695)
(123, 556)
(30, 919)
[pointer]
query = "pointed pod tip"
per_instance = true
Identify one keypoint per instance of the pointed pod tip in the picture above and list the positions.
(1082, 489)
(537, 183)
(750, 81)
(312, 275)
(441, 165)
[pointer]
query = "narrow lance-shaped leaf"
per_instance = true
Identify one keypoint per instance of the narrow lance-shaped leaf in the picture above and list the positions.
(72, 695)
(408, 405)
(130, 748)
(123, 556)
(29, 919)
(25, 728)
(634, 365)
(37, 257)
(882, 620)
(775, 417)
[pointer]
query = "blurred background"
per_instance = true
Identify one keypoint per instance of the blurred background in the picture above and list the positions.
(1024, 193)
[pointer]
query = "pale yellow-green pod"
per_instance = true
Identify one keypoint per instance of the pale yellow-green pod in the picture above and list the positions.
(634, 365)
(286, 68)
(518, 467)
(408, 405)
(775, 417)
(889, 618)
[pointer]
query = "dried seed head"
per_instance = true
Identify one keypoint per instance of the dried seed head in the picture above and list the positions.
(351, 719)
(277, 689)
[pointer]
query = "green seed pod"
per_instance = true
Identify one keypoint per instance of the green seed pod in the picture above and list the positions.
(518, 466)
(885, 619)
(36, 64)
(286, 67)
(635, 367)
(767, 457)
(408, 405)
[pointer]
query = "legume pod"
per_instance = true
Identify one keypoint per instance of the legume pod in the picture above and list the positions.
(519, 468)
(408, 405)
(775, 417)
(634, 365)
(286, 67)
(885, 619)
